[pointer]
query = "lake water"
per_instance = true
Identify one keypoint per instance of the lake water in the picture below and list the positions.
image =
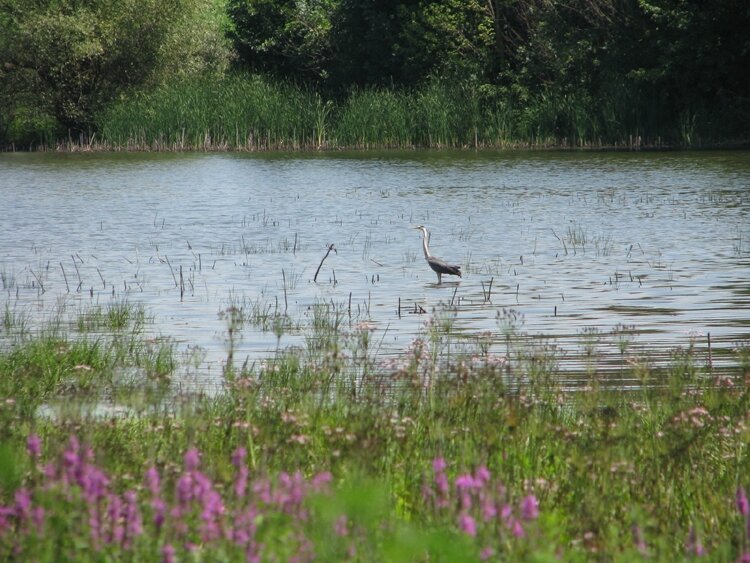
(579, 244)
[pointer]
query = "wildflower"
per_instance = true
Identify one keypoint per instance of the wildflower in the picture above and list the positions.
(486, 553)
(160, 510)
(640, 543)
(467, 524)
(23, 504)
(192, 459)
(439, 465)
(153, 481)
(517, 529)
(482, 476)
(530, 508)
(464, 484)
(694, 545)
(167, 554)
(132, 517)
(321, 481)
(743, 506)
(34, 446)
(213, 510)
(239, 456)
(37, 517)
(240, 482)
(489, 510)
(114, 512)
(340, 527)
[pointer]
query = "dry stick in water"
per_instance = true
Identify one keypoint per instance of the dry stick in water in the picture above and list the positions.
(64, 277)
(171, 270)
(104, 284)
(78, 273)
(283, 277)
(330, 247)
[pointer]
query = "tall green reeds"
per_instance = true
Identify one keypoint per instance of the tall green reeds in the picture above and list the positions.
(207, 113)
(250, 112)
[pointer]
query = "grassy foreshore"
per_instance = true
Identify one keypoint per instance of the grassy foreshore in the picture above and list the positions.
(448, 453)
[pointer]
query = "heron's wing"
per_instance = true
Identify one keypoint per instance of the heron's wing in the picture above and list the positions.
(442, 267)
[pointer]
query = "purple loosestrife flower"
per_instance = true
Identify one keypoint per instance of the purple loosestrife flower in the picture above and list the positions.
(441, 481)
(153, 481)
(464, 484)
(114, 512)
(489, 509)
(530, 508)
(6, 514)
(245, 526)
(341, 526)
(132, 517)
(482, 476)
(321, 481)
(34, 446)
(486, 553)
(22, 507)
(506, 513)
(743, 506)
(439, 465)
(185, 489)
(167, 554)
(262, 489)
(160, 511)
(238, 457)
(467, 524)
(694, 546)
(517, 528)
(37, 517)
(240, 482)
(192, 459)
(213, 511)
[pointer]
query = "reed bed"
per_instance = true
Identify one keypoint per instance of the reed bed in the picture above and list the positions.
(448, 452)
(253, 113)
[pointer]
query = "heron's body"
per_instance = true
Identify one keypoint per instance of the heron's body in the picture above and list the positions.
(438, 265)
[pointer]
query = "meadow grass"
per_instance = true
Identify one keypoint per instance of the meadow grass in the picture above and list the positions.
(448, 452)
(251, 113)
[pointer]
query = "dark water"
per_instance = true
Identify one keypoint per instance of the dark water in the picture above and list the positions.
(585, 247)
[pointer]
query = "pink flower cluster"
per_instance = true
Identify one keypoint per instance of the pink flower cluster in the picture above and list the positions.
(480, 507)
(194, 513)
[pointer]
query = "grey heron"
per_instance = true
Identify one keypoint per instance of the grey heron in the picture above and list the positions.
(438, 266)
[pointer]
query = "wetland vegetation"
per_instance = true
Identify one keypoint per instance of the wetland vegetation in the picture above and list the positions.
(447, 453)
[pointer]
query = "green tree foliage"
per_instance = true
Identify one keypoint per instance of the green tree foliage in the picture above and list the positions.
(63, 61)
(287, 38)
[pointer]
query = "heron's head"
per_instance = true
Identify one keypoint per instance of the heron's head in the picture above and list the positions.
(422, 228)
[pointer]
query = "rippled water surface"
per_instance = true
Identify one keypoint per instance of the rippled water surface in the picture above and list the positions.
(578, 244)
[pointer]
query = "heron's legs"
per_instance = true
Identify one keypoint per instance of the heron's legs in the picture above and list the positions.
(440, 278)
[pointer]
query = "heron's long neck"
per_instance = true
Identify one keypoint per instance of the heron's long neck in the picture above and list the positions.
(425, 247)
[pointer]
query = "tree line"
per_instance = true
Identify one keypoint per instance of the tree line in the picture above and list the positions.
(671, 69)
